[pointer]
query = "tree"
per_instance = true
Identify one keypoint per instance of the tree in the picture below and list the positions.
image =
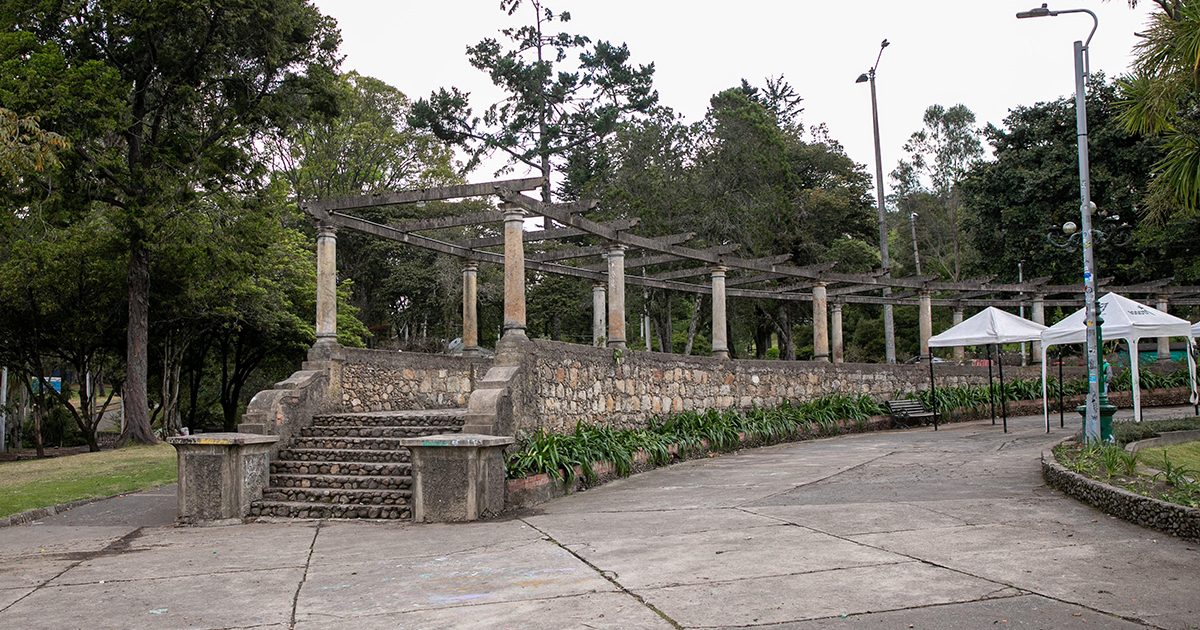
(162, 102)
(1033, 185)
(928, 184)
(63, 311)
(551, 112)
(1161, 98)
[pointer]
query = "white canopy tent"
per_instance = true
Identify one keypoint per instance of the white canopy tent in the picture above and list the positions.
(991, 326)
(1196, 329)
(1123, 319)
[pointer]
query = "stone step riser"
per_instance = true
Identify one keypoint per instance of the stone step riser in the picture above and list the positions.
(319, 510)
(388, 421)
(339, 482)
(347, 443)
(375, 432)
(356, 470)
(337, 497)
(360, 456)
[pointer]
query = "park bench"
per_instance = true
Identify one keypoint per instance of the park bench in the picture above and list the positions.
(908, 412)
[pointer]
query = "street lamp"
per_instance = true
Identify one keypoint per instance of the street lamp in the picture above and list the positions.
(889, 328)
(912, 220)
(1093, 428)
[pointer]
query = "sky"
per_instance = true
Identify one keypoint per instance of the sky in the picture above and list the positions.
(942, 51)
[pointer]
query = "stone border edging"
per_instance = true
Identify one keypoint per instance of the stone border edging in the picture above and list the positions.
(1166, 438)
(1170, 518)
(29, 516)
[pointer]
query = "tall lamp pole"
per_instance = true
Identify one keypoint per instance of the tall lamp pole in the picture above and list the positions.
(1093, 426)
(912, 220)
(889, 328)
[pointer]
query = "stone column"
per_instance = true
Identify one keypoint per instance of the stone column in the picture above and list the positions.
(326, 289)
(820, 323)
(470, 336)
(599, 304)
(514, 272)
(1164, 343)
(926, 321)
(616, 296)
(1038, 314)
(720, 343)
(960, 353)
(835, 328)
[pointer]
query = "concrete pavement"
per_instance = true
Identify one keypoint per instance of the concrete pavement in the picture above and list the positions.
(951, 529)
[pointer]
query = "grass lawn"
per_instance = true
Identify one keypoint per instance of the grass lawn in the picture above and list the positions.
(28, 485)
(1186, 455)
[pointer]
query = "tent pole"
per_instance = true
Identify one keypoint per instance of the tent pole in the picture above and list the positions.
(1062, 423)
(933, 393)
(1003, 398)
(991, 390)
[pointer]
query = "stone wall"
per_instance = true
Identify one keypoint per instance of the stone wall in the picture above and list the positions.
(564, 383)
(386, 380)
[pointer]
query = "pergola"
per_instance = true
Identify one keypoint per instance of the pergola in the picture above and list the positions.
(826, 289)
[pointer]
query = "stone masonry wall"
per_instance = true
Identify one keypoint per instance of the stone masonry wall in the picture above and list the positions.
(386, 380)
(565, 383)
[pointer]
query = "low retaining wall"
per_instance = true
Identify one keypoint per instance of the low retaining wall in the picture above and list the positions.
(386, 380)
(1171, 518)
(566, 383)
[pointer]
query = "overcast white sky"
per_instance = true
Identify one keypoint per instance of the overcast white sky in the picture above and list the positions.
(942, 51)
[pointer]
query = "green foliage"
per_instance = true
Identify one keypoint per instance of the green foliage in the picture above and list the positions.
(1033, 185)
(689, 432)
(1160, 99)
(553, 111)
(1126, 432)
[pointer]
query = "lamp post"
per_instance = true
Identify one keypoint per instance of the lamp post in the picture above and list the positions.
(912, 220)
(889, 328)
(1092, 429)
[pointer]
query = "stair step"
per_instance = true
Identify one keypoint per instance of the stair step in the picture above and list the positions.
(347, 443)
(337, 496)
(344, 455)
(409, 417)
(341, 468)
(342, 482)
(376, 431)
(291, 509)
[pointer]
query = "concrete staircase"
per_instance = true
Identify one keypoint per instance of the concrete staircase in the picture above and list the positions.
(350, 465)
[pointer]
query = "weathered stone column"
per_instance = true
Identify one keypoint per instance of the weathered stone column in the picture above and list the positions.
(835, 328)
(470, 336)
(926, 321)
(960, 353)
(1164, 343)
(326, 291)
(599, 304)
(820, 323)
(616, 296)
(720, 342)
(1038, 314)
(514, 272)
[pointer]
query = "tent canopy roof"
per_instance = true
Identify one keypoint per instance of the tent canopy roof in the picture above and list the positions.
(1196, 329)
(1123, 319)
(989, 326)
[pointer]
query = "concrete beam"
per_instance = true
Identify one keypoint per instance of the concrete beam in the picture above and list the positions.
(422, 194)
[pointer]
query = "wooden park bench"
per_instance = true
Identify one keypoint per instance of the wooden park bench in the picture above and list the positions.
(909, 412)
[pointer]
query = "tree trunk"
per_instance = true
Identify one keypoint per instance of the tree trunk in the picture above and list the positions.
(666, 333)
(693, 323)
(729, 339)
(785, 334)
(137, 361)
(556, 327)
